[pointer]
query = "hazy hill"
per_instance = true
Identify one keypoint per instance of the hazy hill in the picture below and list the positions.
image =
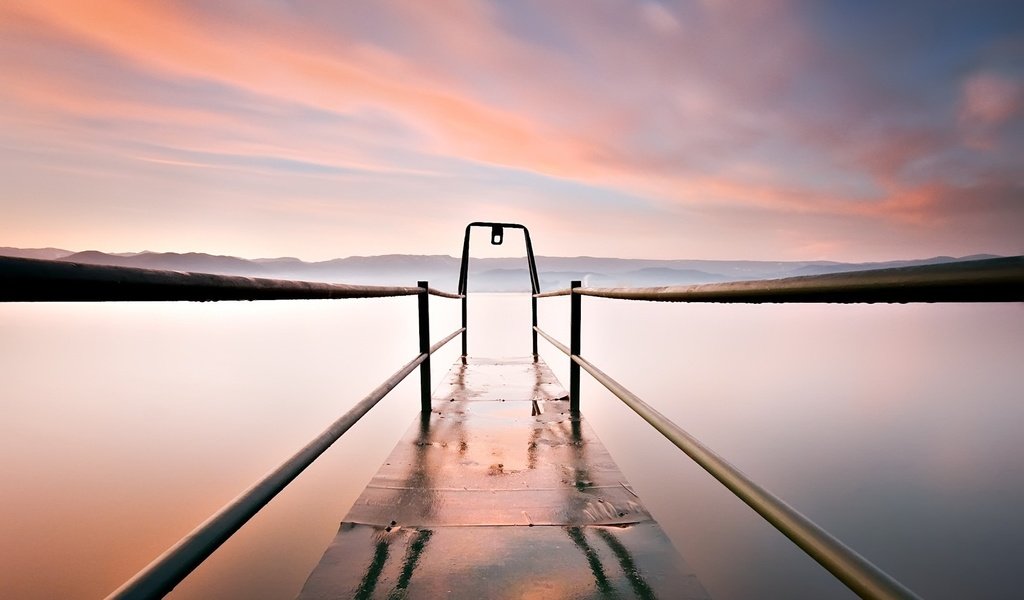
(486, 274)
(172, 261)
(845, 267)
(44, 253)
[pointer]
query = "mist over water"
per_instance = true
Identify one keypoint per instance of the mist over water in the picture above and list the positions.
(123, 426)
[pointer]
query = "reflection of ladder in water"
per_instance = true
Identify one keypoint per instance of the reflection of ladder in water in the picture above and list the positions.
(499, 492)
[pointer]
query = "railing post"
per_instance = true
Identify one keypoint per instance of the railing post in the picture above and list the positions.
(464, 287)
(533, 329)
(574, 347)
(425, 347)
(465, 329)
(534, 285)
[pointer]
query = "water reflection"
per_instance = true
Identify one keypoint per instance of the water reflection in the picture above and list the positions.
(600, 579)
(531, 448)
(369, 582)
(420, 475)
(629, 567)
(886, 424)
(412, 558)
(894, 426)
(624, 557)
(420, 479)
(381, 551)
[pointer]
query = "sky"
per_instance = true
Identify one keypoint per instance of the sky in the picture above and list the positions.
(776, 130)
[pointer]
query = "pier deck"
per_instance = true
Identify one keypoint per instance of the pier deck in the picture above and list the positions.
(499, 492)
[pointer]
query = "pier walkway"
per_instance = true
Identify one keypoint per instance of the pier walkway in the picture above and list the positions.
(500, 489)
(499, 492)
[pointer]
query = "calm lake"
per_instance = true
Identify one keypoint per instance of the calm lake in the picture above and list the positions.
(896, 427)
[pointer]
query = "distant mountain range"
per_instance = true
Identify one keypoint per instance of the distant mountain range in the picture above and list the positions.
(486, 274)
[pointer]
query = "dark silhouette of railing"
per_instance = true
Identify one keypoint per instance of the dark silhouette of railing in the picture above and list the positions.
(36, 280)
(32, 280)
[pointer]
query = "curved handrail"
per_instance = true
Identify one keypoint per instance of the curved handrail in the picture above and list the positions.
(531, 260)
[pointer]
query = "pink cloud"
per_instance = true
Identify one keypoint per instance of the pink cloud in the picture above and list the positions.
(659, 18)
(683, 106)
(292, 60)
(989, 101)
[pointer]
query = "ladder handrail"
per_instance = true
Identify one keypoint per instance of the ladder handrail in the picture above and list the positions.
(497, 237)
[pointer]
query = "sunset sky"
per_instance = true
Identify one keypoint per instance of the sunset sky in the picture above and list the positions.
(706, 129)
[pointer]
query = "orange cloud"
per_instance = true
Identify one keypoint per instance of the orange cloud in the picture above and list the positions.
(295, 62)
(680, 106)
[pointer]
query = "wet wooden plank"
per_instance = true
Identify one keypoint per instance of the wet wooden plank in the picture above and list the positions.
(500, 492)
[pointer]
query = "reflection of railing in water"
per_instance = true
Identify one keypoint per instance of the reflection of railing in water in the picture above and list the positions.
(995, 280)
(380, 557)
(622, 554)
(576, 535)
(418, 477)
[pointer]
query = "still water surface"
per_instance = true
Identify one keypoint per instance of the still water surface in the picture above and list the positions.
(122, 426)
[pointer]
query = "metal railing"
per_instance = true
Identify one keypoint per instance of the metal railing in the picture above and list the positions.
(992, 280)
(36, 280)
(33, 280)
(988, 280)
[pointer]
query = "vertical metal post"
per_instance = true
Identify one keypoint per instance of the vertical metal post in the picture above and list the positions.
(534, 284)
(532, 329)
(424, 307)
(465, 329)
(574, 347)
(464, 287)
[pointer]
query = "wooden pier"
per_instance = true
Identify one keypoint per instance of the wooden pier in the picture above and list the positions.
(499, 492)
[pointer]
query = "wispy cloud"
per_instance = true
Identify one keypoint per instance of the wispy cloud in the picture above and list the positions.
(805, 117)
